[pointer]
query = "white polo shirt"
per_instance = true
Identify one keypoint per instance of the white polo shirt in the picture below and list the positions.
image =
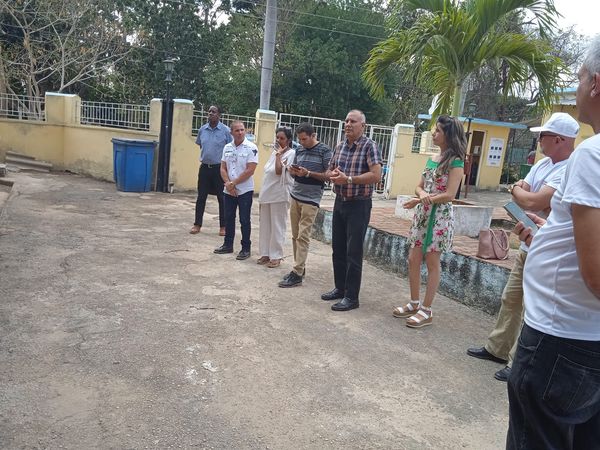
(237, 158)
(557, 301)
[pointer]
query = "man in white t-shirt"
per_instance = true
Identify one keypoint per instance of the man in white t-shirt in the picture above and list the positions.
(238, 164)
(554, 386)
(557, 140)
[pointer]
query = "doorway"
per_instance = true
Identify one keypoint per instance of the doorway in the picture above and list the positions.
(474, 152)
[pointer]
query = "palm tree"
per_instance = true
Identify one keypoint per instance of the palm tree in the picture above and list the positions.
(450, 39)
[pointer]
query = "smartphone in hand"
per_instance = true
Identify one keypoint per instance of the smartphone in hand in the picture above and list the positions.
(517, 213)
(294, 166)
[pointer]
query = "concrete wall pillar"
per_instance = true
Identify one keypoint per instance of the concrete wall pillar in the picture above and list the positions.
(62, 109)
(184, 151)
(155, 111)
(266, 124)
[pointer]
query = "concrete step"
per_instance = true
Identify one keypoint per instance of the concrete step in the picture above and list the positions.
(28, 164)
(20, 155)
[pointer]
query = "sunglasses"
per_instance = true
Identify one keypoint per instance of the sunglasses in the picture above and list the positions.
(543, 135)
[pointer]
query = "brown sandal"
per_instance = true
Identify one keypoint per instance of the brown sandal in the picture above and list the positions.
(407, 310)
(263, 260)
(273, 263)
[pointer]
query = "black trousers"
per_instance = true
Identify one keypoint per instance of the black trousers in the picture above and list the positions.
(349, 226)
(554, 393)
(209, 182)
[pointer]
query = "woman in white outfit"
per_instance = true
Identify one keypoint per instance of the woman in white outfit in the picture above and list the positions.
(274, 200)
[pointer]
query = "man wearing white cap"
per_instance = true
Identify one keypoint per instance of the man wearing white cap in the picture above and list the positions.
(557, 141)
(554, 386)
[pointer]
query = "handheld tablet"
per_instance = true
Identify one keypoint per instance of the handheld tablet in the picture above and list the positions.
(517, 213)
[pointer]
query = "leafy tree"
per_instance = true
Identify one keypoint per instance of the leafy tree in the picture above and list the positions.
(450, 40)
(56, 44)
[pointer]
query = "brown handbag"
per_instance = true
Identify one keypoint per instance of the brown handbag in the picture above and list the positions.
(493, 244)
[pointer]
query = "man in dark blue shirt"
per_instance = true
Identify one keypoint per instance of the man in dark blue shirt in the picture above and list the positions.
(212, 137)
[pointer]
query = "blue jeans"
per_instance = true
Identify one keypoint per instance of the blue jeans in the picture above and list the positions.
(554, 393)
(231, 204)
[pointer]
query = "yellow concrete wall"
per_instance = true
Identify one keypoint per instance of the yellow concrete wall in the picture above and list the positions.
(489, 177)
(32, 138)
(88, 150)
(408, 166)
(266, 124)
(184, 151)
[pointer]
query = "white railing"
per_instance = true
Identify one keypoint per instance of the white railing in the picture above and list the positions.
(383, 136)
(329, 131)
(22, 107)
(200, 117)
(422, 143)
(116, 115)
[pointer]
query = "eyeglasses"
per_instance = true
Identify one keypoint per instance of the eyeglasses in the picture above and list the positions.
(543, 135)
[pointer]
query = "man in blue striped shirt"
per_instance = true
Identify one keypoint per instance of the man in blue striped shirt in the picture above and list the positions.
(308, 169)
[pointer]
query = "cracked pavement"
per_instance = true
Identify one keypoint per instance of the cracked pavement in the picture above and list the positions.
(118, 329)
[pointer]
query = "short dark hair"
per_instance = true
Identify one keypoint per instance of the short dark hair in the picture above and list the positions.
(306, 128)
(219, 109)
(285, 130)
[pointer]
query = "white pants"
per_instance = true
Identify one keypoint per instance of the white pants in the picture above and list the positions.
(272, 225)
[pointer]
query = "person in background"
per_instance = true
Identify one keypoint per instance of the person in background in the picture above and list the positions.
(238, 164)
(308, 170)
(534, 193)
(212, 137)
(354, 169)
(274, 199)
(432, 228)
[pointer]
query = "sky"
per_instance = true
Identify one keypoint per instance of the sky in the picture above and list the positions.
(581, 13)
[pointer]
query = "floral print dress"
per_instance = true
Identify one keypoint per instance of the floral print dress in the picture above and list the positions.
(433, 225)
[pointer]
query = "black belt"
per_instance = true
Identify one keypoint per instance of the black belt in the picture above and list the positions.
(352, 199)
(211, 166)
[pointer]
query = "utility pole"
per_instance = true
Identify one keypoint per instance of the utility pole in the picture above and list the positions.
(268, 54)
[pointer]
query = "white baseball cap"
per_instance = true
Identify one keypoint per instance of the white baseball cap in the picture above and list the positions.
(560, 123)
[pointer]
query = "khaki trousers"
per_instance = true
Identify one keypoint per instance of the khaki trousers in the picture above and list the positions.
(502, 341)
(302, 217)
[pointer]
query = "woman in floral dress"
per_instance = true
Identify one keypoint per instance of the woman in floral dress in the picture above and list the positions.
(432, 228)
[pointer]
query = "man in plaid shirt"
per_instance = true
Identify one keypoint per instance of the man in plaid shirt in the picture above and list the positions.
(354, 169)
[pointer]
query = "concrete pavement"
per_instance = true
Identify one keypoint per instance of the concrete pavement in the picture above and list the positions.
(121, 330)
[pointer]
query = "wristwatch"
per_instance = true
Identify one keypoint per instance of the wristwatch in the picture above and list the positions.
(349, 180)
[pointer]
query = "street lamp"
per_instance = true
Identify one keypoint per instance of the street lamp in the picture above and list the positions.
(166, 125)
(169, 66)
(471, 108)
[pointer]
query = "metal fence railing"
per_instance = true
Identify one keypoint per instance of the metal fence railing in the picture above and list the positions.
(329, 131)
(22, 107)
(116, 115)
(200, 117)
(422, 143)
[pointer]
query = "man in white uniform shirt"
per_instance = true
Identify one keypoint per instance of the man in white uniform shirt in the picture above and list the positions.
(557, 140)
(554, 386)
(238, 164)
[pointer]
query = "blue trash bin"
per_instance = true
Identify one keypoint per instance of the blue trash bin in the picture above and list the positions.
(133, 164)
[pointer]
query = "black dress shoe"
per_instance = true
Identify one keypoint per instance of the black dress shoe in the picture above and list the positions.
(345, 304)
(291, 280)
(502, 374)
(482, 353)
(222, 250)
(244, 254)
(333, 294)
